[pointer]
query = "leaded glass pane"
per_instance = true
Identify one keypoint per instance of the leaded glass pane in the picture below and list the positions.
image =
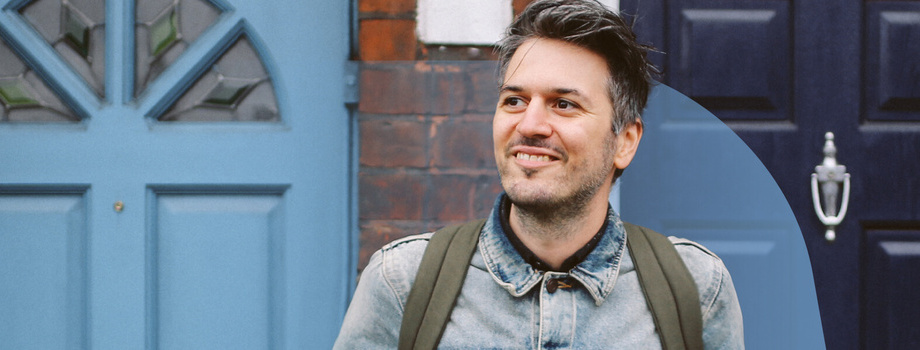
(24, 97)
(76, 30)
(236, 88)
(164, 29)
(15, 94)
(229, 92)
(164, 32)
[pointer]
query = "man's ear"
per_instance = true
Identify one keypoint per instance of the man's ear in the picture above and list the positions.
(627, 144)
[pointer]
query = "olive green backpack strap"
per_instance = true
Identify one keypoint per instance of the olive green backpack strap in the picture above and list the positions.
(669, 289)
(437, 284)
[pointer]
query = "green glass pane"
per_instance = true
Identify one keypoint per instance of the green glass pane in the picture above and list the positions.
(237, 88)
(228, 93)
(76, 31)
(164, 29)
(164, 33)
(24, 96)
(14, 94)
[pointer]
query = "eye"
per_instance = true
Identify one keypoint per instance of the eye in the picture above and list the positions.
(565, 104)
(514, 102)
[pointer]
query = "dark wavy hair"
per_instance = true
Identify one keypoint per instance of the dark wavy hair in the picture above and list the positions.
(590, 25)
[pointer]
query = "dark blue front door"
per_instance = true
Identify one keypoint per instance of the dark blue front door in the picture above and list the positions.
(782, 74)
(694, 178)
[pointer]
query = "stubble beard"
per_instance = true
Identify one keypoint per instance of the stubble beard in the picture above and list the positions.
(548, 205)
(552, 205)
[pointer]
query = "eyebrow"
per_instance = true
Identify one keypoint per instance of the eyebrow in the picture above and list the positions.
(558, 91)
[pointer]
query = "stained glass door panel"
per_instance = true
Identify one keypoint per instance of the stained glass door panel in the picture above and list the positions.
(173, 174)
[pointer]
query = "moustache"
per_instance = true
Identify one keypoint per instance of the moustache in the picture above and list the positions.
(534, 142)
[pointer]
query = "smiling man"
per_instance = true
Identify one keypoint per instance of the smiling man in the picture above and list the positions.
(553, 266)
(555, 146)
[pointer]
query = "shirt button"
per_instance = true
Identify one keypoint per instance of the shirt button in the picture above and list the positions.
(552, 285)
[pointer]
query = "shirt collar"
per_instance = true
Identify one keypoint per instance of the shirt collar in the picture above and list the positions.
(597, 272)
(533, 259)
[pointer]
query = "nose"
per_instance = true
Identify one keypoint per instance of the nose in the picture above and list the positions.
(534, 122)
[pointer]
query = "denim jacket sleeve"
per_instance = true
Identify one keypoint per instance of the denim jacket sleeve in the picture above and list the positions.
(722, 323)
(376, 310)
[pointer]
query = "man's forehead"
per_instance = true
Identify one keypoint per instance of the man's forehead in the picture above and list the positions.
(552, 65)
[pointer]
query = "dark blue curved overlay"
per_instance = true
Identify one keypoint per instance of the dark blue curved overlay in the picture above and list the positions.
(694, 178)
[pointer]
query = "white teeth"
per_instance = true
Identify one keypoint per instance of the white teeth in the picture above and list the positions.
(533, 158)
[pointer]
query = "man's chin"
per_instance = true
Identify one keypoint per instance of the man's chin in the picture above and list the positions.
(535, 196)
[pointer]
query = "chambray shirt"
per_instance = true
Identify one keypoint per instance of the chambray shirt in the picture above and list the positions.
(506, 304)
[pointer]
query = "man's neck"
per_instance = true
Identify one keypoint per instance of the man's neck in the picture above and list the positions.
(554, 238)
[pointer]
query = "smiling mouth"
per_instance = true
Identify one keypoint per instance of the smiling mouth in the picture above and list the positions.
(532, 157)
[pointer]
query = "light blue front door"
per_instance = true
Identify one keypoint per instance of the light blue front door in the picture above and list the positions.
(165, 209)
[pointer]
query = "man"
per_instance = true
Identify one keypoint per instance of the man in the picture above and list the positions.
(551, 268)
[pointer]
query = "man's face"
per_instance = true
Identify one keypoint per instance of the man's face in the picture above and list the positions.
(552, 130)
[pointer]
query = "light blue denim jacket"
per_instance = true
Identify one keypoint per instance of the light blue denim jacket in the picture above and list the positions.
(505, 303)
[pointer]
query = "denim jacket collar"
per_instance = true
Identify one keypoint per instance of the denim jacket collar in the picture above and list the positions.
(597, 273)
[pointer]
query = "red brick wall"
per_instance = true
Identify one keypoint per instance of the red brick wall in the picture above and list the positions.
(425, 116)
